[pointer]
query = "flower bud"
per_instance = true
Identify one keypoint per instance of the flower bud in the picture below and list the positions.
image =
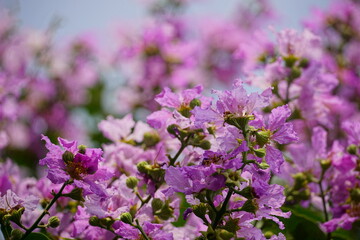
(263, 165)
(54, 222)
(262, 137)
(325, 164)
(268, 234)
(151, 139)
(126, 218)
(301, 195)
(173, 129)
(295, 73)
(211, 129)
(260, 152)
(226, 235)
(185, 111)
(68, 157)
(195, 102)
(16, 234)
(205, 144)
(156, 204)
(76, 194)
(157, 173)
(304, 63)
(94, 221)
(131, 182)
(300, 180)
(352, 149)
(290, 60)
(355, 195)
(82, 149)
(16, 215)
(143, 167)
(239, 122)
(200, 210)
(107, 222)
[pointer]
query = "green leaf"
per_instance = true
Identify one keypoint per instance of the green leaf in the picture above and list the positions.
(308, 214)
(37, 236)
(303, 224)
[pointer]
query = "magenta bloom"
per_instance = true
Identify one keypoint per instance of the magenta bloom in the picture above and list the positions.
(67, 162)
(279, 131)
(192, 179)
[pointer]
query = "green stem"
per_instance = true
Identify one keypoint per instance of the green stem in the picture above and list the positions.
(145, 201)
(322, 192)
(209, 200)
(141, 230)
(183, 146)
(46, 210)
(222, 211)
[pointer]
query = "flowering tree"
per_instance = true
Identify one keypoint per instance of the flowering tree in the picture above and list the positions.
(273, 156)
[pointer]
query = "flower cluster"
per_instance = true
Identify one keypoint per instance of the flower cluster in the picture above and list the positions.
(274, 156)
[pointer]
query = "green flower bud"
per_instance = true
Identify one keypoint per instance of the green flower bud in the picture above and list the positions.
(131, 182)
(185, 111)
(156, 204)
(76, 194)
(225, 235)
(94, 221)
(305, 194)
(157, 173)
(300, 180)
(16, 234)
(16, 215)
(325, 164)
(304, 63)
(211, 130)
(126, 218)
(290, 60)
(295, 73)
(268, 234)
(239, 122)
(262, 137)
(355, 195)
(82, 149)
(107, 222)
(250, 206)
(151, 139)
(54, 222)
(352, 149)
(195, 102)
(232, 225)
(260, 152)
(233, 178)
(173, 129)
(68, 157)
(263, 165)
(205, 144)
(200, 210)
(143, 167)
(6, 218)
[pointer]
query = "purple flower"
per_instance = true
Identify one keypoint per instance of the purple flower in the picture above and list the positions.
(352, 129)
(68, 162)
(345, 222)
(192, 179)
(10, 200)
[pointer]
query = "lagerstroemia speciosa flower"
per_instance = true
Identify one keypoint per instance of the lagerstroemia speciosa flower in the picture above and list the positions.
(78, 163)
